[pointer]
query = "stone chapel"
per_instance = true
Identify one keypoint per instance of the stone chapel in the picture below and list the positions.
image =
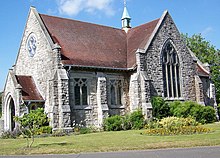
(81, 73)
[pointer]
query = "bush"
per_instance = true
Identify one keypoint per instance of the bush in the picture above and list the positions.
(178, 131)
(44, 130)
(218, 108)
(173, 106)
(11, 134)
(176, 126)
(161, 108)
(207, 114)
(173, 122)
(113, 123)
(202, 114)
(135, 120)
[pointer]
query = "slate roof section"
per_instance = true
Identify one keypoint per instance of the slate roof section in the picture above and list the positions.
(86, 44)
(29, 89)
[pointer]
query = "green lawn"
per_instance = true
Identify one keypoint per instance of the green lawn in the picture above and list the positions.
(108, 141)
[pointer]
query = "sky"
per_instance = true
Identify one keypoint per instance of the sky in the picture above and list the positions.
(190, 16)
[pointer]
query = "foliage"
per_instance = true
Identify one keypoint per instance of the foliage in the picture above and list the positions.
(176, 126)
(10, 134)
(206, 53)
(202, 114)
(32, 123)
(186, 130)
(161, 108)
(134, 120)
(218, 108)
(172, 122)
(44, 130)
(113, 123)
(207, 114)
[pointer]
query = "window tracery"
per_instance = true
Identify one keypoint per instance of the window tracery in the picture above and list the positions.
(171, 72)
(116, 92)
(80, 91)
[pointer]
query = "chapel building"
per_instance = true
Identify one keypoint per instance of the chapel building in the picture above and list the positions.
(80, 73)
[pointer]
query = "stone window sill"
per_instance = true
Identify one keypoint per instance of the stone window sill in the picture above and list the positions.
(117, 107)
(173, 99)
(82, 107)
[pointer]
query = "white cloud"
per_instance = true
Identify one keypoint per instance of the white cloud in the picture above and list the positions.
(74, 7)
(207, 31)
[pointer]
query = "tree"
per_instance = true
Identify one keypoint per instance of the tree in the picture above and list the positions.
(206, 53)
(30, 123)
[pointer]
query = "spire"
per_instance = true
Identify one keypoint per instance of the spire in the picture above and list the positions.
(126, 19)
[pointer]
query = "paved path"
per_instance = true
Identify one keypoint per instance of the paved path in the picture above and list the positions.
(199, 152)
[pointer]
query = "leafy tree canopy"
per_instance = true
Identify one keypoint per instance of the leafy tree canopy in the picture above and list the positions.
(206, 53)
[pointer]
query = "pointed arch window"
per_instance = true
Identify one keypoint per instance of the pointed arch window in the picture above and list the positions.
(80, 91)
(116, 92)
(171, 72)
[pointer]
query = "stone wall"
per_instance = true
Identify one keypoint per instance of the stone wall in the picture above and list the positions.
(41, 65)
(153, 60)
(98, 98)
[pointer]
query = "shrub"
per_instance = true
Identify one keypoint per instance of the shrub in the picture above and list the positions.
(151, 124)
(126, 123)
(136, 119)
(113, 123)
(176, 122)
(202, 114)
(178, 131)
(173, 106)
(44, 130)
(161, 108)
(218, 108)
(207, 114)
(176, 126)
(11, 134)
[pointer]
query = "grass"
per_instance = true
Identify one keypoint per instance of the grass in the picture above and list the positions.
(108, 141)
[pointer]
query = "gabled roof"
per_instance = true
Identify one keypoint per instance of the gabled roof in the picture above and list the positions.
(86, 44)
(29, 89)
(137, 38)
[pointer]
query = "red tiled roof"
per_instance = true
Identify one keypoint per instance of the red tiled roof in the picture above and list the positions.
(29, 89)
(137, 38)
(87, 44)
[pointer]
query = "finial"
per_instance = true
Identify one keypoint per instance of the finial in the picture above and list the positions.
(124, 3)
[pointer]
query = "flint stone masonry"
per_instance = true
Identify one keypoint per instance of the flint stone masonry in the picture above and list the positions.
(153, 61)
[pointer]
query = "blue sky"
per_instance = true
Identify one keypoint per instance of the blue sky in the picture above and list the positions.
(190, 16)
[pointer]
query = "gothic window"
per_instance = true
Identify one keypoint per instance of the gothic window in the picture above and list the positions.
(116, 92)
(171, 72)
(80, 91)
